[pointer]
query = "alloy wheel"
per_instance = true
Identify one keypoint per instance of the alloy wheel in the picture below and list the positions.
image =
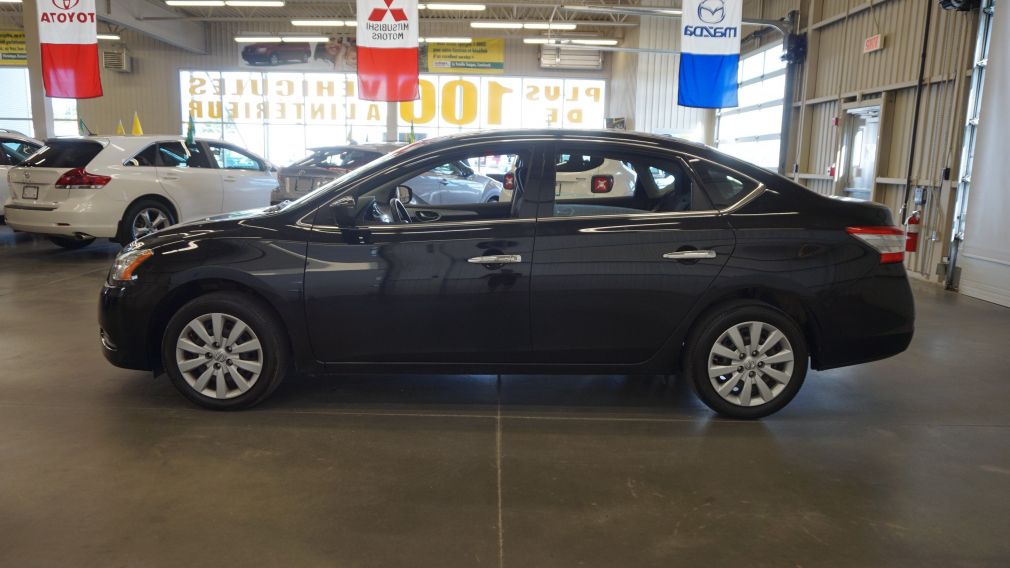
(750, 363)
(219, 356)
(149, 220)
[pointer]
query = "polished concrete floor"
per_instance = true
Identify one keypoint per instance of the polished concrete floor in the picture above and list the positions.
(905, 462)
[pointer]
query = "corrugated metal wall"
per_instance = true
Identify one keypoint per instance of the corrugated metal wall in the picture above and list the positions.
(656, 89)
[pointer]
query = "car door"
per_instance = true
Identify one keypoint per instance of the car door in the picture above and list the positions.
(614, 276)
(245, 180)
(187, 176)
(451, 286)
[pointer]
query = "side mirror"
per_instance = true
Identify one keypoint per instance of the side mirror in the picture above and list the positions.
(345, 211)
(132, 162)
(404, 193)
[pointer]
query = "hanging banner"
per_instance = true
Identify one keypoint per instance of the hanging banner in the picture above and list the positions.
(484, 56)
(710, 53)
(67, 30)
(387, 50)
(12, 48)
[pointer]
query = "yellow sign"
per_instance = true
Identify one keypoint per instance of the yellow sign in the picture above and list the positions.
(12, 48)
(485, 56)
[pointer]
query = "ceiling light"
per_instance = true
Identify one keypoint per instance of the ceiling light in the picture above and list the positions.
(188, 3)
(109, 37)
(305, 39)
(497, 25)
(595, 41)
(351, 23)
(319, 23)
(255, 3)
(458, 7)
(538, 40)
(258, 39)
(446, 40)
(549, 26)
(10, 1)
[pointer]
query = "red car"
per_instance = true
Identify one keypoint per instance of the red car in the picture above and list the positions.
(276, 53)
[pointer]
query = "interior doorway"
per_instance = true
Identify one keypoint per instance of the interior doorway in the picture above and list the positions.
(862, 132)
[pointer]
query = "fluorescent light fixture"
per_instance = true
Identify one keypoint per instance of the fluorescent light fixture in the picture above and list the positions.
(538, 40)
(10, 1)
(497, 25)
(549, 26)
(457, 7)
(189, 3)
(255, 3)
(258, 39)
(304, 39)
(109, 37)
(447, 39)
(594, 41)
(319, 23)
(351, 23)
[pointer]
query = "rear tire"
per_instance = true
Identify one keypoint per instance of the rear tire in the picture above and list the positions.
(769, 374)
(225, 351)
(70, 243)
(142, 218)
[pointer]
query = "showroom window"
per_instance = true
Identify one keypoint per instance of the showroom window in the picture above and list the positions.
(16, 106)
(753, 131)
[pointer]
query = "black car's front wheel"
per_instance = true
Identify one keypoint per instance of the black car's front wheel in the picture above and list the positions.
(225, 351)
(747, 360)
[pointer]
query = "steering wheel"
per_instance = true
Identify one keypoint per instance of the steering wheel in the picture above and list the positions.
(399, 210)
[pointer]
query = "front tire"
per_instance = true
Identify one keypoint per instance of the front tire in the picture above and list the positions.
(746, 360)
(70, 243)
(225, 351)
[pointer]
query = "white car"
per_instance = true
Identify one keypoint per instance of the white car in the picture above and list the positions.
(14, 149)
(74, 190)
(578, 176)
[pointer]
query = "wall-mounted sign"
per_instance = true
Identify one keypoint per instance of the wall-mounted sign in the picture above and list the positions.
(12, 48)
(485, 56)
(873, 43)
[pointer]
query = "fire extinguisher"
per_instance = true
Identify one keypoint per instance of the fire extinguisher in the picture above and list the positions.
(912, 232)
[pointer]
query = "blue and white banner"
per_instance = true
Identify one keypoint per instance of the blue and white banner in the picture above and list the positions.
(710, 53)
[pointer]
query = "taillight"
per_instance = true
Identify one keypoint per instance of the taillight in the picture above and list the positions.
(888, 241)
(79, 179)
(602, 184)
(509, 182)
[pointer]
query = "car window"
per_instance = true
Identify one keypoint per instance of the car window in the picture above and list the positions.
(148, 157)
(347, 159)
(723, 186)
(620, 184)
(64, 154)
(232, 159)
(449, 169)
(171, 155)
(14, 151)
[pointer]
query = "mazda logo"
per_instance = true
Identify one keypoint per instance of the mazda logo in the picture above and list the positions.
(65, 4)
(709, 11)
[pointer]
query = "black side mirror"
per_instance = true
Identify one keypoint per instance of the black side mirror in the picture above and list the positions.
(345, 211)
(404, 193)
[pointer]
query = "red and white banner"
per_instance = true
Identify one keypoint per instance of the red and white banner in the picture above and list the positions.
(67, 30)
(387, 50)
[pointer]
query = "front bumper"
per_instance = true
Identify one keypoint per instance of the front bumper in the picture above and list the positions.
(69, 218)
(124, 323)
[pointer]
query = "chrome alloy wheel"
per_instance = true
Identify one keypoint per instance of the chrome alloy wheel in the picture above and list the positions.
(219, 356)
(149, 220)
(751, 363)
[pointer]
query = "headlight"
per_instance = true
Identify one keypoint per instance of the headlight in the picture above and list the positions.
(127, 262)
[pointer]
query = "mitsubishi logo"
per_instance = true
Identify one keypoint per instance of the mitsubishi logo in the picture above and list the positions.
(377, 15)
(712, 11)
(65, 4)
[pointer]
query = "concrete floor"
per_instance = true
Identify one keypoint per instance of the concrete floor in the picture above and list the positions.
(904, 462)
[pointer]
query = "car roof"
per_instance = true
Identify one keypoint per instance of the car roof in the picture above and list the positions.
(15, 135)
(381, 147)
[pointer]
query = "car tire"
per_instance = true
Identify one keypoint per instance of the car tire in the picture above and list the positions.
(70, 243)
(152, 213)
(763, 381)
(241, 371)
(274, 60)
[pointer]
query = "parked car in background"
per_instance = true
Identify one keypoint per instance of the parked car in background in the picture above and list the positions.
(454, 182)
(14, 149)
(712, 268)
(74, 190)
(578, 175)
(276, 53)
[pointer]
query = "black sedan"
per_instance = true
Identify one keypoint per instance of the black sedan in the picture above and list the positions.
(725, 273)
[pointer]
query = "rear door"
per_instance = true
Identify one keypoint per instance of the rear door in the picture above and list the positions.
(614, 274)
(187, 175)
(246, 181)
(33, 183)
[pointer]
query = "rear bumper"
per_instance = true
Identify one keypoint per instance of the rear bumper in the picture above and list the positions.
(123, 325)
(93, 217)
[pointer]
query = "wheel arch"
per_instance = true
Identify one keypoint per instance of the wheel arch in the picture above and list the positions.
(163, 199)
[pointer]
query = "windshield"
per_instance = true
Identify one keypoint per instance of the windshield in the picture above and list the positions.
(332, 188)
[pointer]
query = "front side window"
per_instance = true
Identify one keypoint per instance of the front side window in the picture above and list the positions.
(723, 186)
(171, 155)
(232, 159)
(601, 183)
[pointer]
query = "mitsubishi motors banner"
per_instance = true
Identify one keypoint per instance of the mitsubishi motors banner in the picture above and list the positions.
(67, 30)
(710, 53)
(387, 50)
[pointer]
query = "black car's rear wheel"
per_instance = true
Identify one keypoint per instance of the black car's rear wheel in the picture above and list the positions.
(747, 360)
(225, 351)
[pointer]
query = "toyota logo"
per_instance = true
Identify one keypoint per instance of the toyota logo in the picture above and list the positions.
(709, 11)
(65, 4)
(28, 176)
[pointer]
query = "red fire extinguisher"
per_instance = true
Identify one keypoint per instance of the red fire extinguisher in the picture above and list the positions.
(912, 232)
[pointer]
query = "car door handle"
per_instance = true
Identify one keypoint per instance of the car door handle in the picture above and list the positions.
(689, 254)
(170, 177)
(230, 178)
(496, 259)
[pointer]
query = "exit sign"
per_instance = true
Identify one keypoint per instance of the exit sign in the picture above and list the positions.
(873, 43)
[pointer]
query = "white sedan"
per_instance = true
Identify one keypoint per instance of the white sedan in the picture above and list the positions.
(74, 190)
(14, 149)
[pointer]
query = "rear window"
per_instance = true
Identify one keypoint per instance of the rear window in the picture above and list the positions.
(64, 154)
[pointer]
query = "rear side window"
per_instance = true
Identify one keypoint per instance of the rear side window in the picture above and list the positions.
(14, 151)
(64, 154)
(724, 187)
(171, 155)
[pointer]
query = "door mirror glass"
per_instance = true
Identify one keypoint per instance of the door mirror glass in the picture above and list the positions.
(345, 211)
(404, 193)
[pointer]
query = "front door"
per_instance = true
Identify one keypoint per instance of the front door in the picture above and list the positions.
(451, 285)
(617, 267)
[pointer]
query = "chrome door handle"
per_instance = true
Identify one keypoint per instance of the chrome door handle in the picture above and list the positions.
(496, 259)
(689, 254)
